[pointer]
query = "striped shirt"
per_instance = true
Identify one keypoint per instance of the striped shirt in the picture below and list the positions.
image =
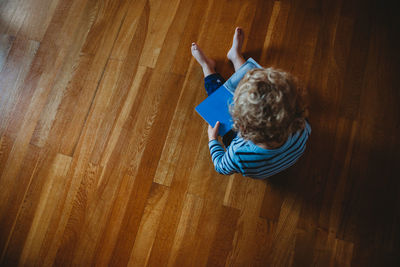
(243, 156)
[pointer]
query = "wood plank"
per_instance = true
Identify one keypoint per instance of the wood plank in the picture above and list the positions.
(52, 53)
(5, 45)
(36, 19)
(188, 34)
(335, 207)
(276, 9)
(12, 76)
(6, 144)
(57, 93)
(49, 251)
(52, 187)
(223, 242)
(264, 236)
(175, 139)
(344, 251)
(249, 203)
(81, 163)
(146, 169)
(272, 202)
(96, 206)
(77, 173)
(169, 50)
(148, 226)
(209, 184)
(185, 232)
(73, 246)
(356, 67)
(304, 247)
(128, 29)
(122, 85)
(160, 22)
(179, 185)
(75, 108)
(27, 211)
(14, 13)
(283, 243)
(134, 126)
(11, 206)
(32, 110)
(273, 40)
(218, 24)
(205, 233)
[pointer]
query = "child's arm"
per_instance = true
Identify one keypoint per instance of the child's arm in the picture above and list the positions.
(224, 162)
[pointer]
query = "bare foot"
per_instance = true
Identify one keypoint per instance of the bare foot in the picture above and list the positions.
(235, 53)
(206, 63)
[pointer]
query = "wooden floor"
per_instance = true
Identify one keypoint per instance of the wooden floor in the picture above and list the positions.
(103, 160)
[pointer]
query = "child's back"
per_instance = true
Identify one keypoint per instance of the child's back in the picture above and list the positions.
(243, 156)
(269, 115)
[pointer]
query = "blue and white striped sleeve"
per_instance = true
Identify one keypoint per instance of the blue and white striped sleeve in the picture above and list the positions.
(224, 162)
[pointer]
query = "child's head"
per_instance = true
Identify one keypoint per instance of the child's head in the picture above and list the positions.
(268, 106)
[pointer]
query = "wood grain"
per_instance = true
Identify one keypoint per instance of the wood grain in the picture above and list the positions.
(103, 160)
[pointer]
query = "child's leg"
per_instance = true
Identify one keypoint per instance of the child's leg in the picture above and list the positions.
(235, 53)
(212, 79)
(206, 63)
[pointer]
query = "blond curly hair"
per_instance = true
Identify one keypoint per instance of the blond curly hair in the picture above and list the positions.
(268, 106)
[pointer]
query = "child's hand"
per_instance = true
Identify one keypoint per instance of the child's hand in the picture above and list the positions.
(213, 132)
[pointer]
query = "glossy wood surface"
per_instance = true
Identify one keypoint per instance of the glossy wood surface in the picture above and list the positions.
(103, 160)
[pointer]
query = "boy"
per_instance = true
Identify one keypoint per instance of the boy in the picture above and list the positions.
(268, 116)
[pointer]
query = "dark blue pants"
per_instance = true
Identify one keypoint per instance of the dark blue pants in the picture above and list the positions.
(212, 82)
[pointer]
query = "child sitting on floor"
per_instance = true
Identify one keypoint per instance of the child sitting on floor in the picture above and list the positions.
(268, 116)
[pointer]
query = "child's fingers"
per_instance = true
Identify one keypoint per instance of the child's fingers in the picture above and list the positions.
(215, 126)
